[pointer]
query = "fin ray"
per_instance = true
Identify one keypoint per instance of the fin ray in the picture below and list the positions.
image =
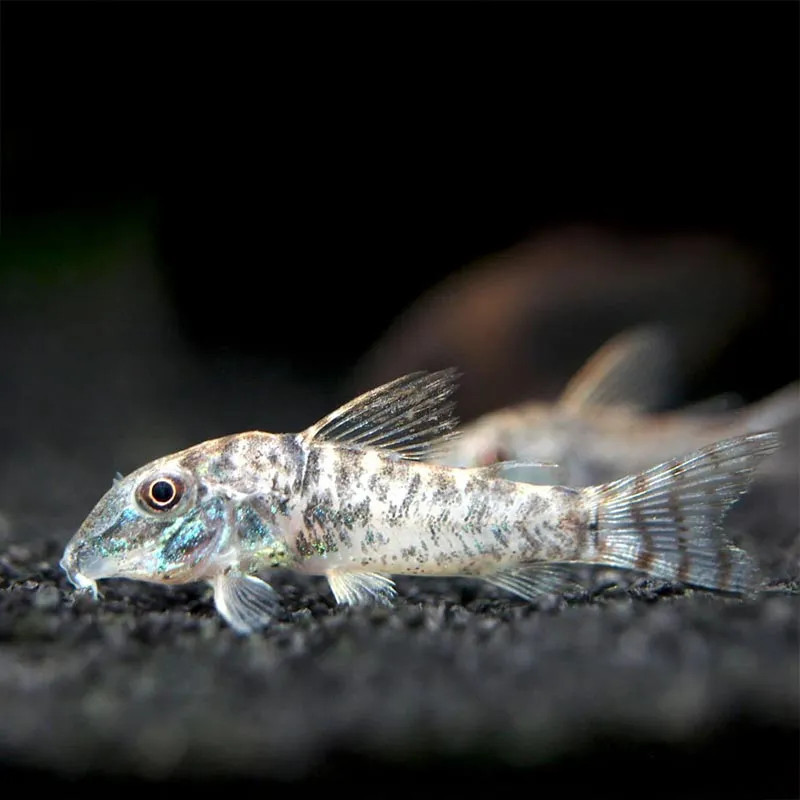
(411, 416)
(360, 588)
(533, 581)
(636, 369)
(665, 522)
(246, 602)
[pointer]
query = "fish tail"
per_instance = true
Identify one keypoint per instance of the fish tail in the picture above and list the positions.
(665, 522)
(780, 410)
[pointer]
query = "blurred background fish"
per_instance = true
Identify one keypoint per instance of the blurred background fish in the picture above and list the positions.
(521, 321)
(604, 425)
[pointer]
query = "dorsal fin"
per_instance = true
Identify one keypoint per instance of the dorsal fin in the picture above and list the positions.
(635, 369)
(411, 416)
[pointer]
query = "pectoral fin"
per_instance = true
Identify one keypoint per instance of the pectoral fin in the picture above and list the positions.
(245, 602)
(635, 369)
(357, 588)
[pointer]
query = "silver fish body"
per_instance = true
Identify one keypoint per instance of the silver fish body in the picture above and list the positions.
(351, 499)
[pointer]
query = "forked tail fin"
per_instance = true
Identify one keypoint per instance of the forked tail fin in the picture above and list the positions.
(666, 521)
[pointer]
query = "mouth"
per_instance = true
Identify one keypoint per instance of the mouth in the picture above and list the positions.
(84, 572)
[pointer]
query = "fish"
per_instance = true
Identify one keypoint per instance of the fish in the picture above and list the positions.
(609, 420)
(356, 498)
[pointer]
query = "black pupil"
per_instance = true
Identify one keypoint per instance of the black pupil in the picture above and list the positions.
(162, 491)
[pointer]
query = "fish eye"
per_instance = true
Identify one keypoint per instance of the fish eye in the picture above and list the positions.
(161, 494)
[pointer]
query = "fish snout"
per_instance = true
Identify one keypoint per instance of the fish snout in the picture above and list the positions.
(84, 567)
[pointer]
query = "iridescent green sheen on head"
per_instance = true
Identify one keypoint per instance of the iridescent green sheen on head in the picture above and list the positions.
(185, 542)
(127, 534)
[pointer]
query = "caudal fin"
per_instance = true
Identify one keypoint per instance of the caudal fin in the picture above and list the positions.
(780, 410)
(666, 521)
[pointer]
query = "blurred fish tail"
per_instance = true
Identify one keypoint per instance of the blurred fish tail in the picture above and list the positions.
(780, 410)
(665, 521)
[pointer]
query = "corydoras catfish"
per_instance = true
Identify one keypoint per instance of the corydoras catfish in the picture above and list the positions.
(350, 498)
(604, 424)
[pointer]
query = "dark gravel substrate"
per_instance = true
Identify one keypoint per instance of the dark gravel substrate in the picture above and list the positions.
(632, 688)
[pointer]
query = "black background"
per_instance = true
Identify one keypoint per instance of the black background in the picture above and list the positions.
(314, 166)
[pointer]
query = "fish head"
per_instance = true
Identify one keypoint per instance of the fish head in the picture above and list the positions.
(160, 524)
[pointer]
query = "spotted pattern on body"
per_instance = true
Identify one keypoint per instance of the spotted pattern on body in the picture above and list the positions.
(419, 518)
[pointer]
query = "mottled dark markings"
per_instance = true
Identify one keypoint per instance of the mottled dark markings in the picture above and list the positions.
(575, 526)
(676, 469)
(303, 545)
(676, 515)
(344, 537)
(474, 485)
(533, 506)
(347, 470)
(292, 447)
(599, 542)
(465, 547)
(442, 478)
(270, 506)
(311, 471)
(478, 510)
(360, 513)
(639, 488)
(442, 519)
(394, 469)
(445, 491)
(715, 456)
(725, 565)
(674, 506)
(646, 555)
(685, 561)
(379, 487)
(500, 536)
(194, 458)
(528, 523)
(413, 488)
(434, 533)
(322, 520)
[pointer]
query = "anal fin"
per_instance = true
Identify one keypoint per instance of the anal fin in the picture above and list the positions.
(245, 602)
(359, 588)
(533, 581)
